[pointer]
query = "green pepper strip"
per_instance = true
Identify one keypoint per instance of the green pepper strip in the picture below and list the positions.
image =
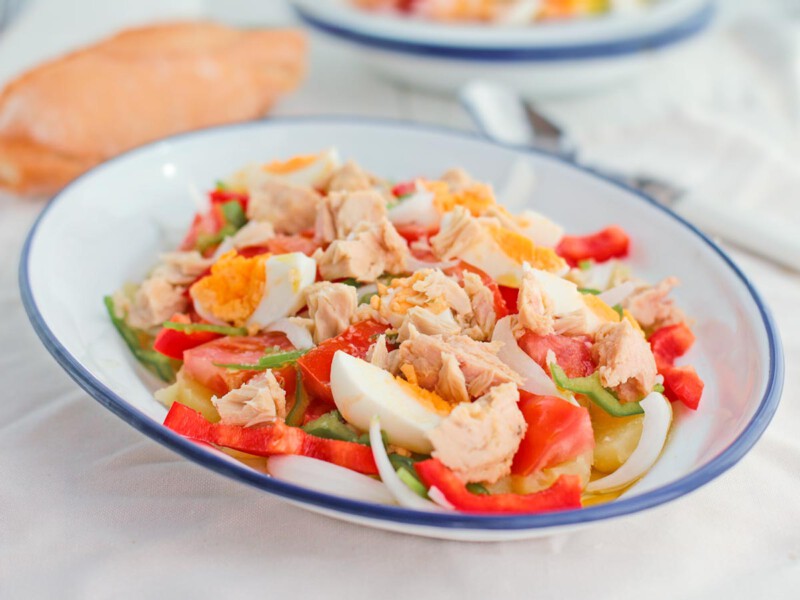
(658, 388)
(351, 282)
(592, 388)
(271, 361)
(411, 480)
(194, 327)
(619, 310)
(234, 213)
(158, 364)
(331, 426)
(591, 291)
(477, 488)
(301, 402)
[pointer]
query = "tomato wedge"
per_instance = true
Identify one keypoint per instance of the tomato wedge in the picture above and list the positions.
(604, 245)
(316, 365)
(564, 494)
(557, 431)
(223, 196)
(572, 353)
(510, 296)
(270, 440)
(199, 363)
(412, 232)
(500, 307)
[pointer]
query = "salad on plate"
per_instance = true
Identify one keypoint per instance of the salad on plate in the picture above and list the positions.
(410, 343)
(502, 12)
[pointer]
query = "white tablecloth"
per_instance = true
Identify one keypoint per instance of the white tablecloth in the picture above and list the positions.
(90, 508)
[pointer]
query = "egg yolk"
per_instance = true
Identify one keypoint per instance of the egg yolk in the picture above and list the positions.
(429, 400)
(602, 310)
(290, 166)
(234, 288)
(522, 249)
(477, 198)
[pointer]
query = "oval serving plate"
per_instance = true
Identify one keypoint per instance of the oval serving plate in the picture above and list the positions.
(108, 227)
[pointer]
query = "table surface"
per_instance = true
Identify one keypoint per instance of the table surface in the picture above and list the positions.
(90, 508)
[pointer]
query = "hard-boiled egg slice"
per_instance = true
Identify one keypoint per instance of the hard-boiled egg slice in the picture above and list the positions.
(287, 276)
(501, 253)
(417, 209)
(233, 289)
(406, 411)
(540, 229)
(309, 169)
(563, 294)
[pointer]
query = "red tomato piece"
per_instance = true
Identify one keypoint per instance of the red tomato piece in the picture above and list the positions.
(683, 384)
(564, 494)
(199, 363)
(671, 342)
(207, 223)
(557, 431)
(572, 353)
(609, 243)
(270, 440)
(510, 296)
(316, 365)
(500, 308)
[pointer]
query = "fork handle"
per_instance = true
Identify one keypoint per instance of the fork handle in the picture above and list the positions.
(767, 236)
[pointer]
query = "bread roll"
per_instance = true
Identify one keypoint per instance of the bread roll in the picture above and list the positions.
(143, 84)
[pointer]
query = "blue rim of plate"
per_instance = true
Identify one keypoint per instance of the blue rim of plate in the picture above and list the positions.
(239, 472)
(693, 24)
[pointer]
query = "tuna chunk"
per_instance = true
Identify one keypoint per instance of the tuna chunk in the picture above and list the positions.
(331, 306)
(154, 302)
(254, 233)
(652, 307)
(378, 353)
(478, 361)
(290, 208)
(427, 322)
(459, 231)
(625, 361)
(478, 440)
(451, 385)
(181, 268)
(535, 306)
(341, 213)
(457, 179)
(366, 254)
(260, 400)
(479, 324)
(350, 178)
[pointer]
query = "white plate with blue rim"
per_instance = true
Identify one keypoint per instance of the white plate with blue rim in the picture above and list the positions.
(108, 227)
(540, 60)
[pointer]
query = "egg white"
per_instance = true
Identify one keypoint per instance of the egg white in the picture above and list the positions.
(288, 275)
(362, 390)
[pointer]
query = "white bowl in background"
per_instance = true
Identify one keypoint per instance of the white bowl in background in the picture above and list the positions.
(539, 60)
(108, 227)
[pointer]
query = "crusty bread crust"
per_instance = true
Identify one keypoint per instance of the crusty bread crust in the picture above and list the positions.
(143, 84)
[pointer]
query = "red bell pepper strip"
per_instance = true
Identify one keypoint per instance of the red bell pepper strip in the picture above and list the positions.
(564, 494)
(557, 431)
(604, 245)
(681, 384)
(671, 342)
(316, 365)
(172, 343)
(573, 354)
(270, 440)
(223, 196)
(500, 307)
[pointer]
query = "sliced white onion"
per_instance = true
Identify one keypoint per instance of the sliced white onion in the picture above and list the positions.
(297, 334)
(536, 380)
(657, 419)
(618, 293)
(415, 264)
(329, 478)
(226, 246)
(402, 493)
(438, 497)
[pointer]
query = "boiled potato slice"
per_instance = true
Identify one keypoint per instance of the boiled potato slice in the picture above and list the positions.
(615, 438)
(189, 393)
